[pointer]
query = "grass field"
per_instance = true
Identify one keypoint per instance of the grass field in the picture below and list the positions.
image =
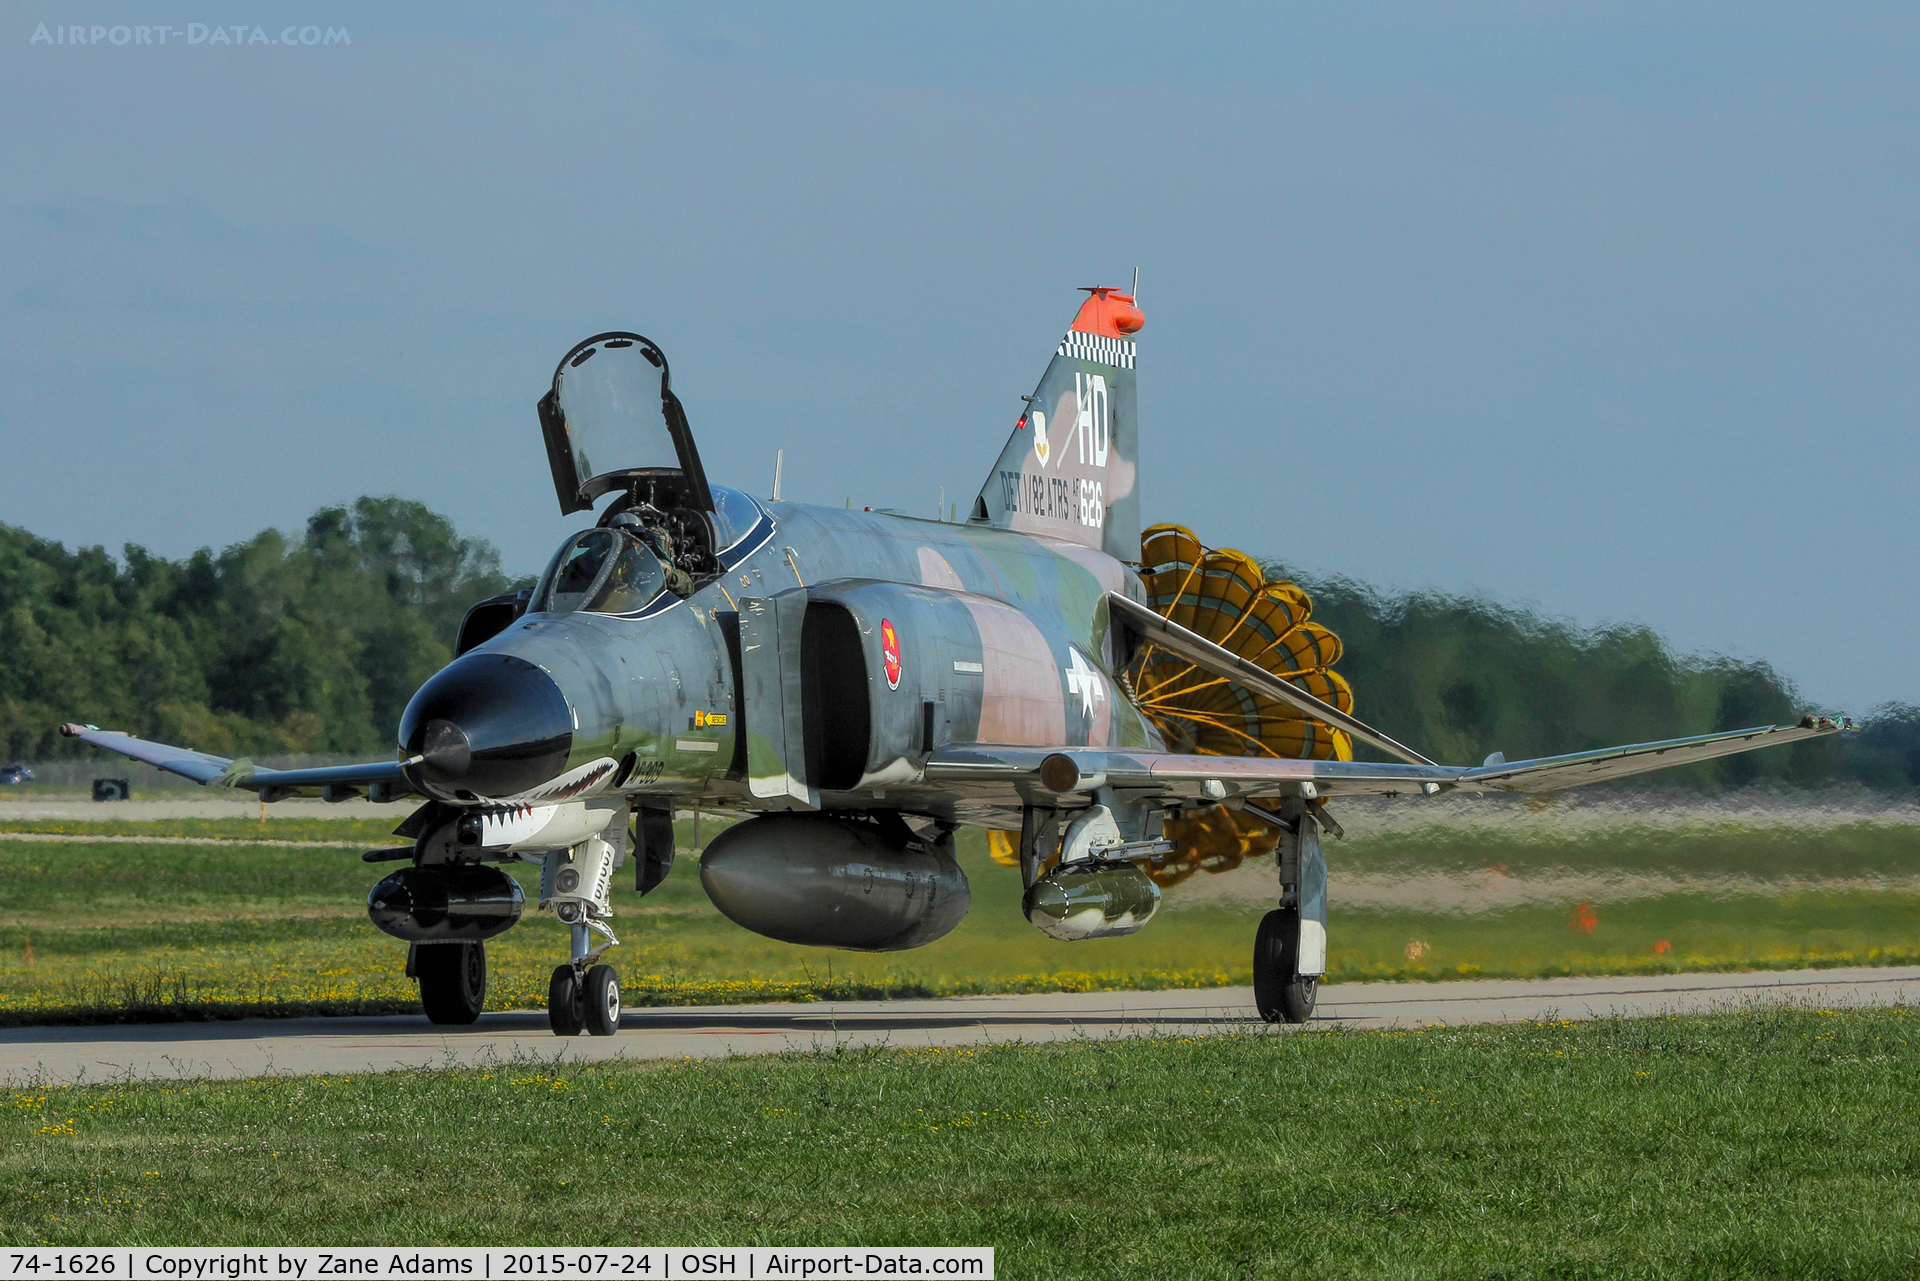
(1760, 1144)
(218, 926)
(234, 928)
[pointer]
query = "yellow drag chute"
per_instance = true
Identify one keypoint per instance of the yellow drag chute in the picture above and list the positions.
(1226, 597)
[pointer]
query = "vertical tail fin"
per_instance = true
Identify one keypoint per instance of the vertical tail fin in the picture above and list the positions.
(1070, 469)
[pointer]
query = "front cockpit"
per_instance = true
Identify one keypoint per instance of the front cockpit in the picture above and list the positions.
(602, 571)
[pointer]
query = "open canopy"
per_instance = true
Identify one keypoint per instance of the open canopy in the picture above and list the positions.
(611, 421)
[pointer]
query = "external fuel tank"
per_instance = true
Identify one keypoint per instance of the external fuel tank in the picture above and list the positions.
(827, 881)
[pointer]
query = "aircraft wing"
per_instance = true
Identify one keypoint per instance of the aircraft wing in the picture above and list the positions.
(1036, 774)
(1550, 773)
(383, 780)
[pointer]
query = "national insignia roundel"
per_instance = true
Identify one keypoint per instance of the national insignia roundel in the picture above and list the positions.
(890, 653)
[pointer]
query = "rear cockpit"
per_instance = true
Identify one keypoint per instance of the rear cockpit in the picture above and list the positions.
(612, 422)
(613, 426)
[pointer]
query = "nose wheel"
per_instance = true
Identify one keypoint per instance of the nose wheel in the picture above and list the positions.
(600, 997)
(565, 1014)
(583, 1001)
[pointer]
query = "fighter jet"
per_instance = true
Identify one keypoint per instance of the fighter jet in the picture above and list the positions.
(857, 685)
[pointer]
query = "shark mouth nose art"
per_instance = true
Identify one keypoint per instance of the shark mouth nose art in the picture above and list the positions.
(487, 725)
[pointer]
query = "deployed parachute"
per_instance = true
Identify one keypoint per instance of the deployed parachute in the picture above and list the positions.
(1227, 598)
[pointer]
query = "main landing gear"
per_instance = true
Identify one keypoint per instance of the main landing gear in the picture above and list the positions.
(1290, 949)
(453, 980)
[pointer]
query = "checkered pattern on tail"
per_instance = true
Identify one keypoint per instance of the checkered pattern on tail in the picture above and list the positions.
(1117, 352)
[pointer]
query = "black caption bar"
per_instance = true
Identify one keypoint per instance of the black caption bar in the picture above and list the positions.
(479, 1263)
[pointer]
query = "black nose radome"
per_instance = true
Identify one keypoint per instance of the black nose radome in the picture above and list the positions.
(446, 747)
(487, 725)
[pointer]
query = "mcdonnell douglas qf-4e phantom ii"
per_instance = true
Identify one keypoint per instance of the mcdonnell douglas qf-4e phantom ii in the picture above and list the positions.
(858, 685)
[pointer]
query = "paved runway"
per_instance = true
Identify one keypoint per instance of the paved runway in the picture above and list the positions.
(253, 1047)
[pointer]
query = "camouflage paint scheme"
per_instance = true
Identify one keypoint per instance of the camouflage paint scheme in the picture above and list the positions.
(1070, 469)
(845, 663)
(1033, 620)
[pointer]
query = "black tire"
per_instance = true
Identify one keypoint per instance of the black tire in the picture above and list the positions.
(600, 1001)
(1278, 990)
(563, 1002)
(453, 981)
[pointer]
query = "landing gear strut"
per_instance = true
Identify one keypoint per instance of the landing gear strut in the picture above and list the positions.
(584, 994)
(1290, 949)
(453, 980)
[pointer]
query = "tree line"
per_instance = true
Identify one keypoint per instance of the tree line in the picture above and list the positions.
(274, 645)
(314, 643)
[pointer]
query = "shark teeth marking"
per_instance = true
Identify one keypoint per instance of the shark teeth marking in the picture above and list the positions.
(574, 782)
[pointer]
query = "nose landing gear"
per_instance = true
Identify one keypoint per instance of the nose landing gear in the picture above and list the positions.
(584, 994)
(588, 1001)
(602, 1001)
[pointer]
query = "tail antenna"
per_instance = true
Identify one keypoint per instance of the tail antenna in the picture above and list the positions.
(1135, 295)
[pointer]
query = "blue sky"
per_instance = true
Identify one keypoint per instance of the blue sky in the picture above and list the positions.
(1611, 309)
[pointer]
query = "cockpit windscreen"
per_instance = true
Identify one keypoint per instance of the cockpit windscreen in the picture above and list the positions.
(602, 571)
